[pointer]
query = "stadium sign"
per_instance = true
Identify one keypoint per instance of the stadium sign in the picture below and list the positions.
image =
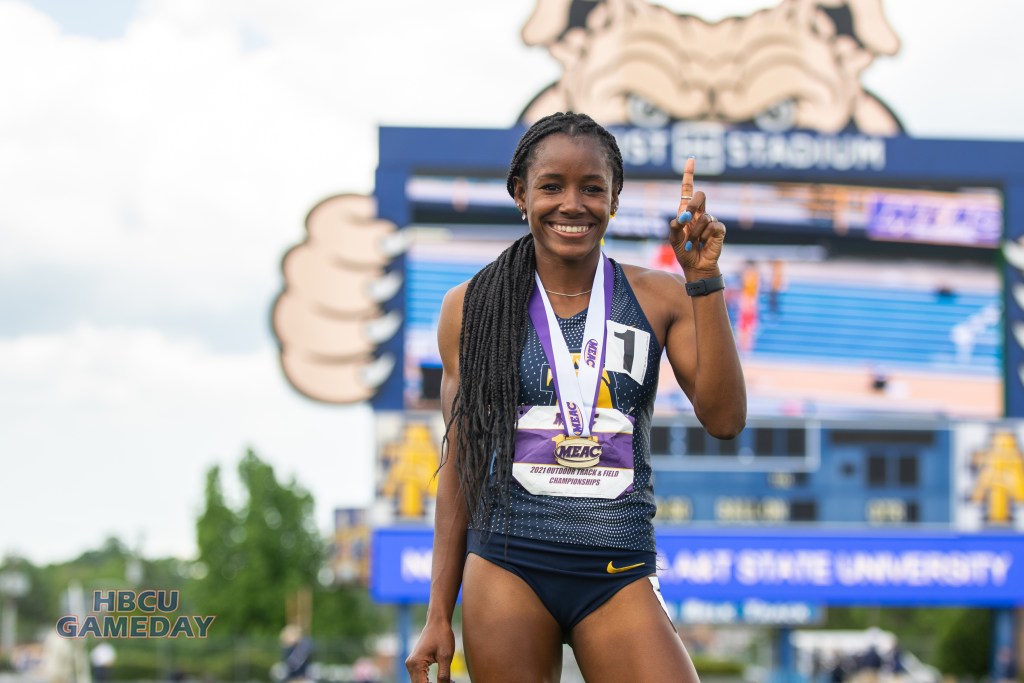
(779, 566)
(719, 149)
(752, 611)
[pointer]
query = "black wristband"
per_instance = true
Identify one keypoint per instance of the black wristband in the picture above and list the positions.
(705, 285)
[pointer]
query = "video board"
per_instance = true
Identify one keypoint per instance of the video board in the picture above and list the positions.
(872, 287)
(896, 331)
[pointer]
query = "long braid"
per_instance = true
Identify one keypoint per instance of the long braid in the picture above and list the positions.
(494, 327)
(484, 410)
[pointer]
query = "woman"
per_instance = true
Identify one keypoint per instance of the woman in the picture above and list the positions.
(551, 358)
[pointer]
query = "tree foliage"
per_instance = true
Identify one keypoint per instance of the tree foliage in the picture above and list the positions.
(257, 554)
(916, 627)
(965, 645)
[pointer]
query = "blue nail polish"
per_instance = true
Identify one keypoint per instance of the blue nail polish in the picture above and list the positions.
(692, 156)
(689, 245)
(685, 217)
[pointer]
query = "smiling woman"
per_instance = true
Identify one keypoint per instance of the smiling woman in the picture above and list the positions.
(550, 364)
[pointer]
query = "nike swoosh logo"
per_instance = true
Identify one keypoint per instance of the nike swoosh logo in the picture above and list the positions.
(612, 569)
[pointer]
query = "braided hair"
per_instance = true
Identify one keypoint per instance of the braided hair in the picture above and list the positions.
(494, 327)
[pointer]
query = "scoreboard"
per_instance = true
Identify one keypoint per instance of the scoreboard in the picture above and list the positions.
(801, 472)
(876, 372)
(893, 276)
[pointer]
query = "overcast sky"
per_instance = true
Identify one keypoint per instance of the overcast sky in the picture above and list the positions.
(157, 158)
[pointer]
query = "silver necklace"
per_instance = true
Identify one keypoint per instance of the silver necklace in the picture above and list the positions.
(561, 294)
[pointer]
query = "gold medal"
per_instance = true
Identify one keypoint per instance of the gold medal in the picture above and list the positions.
(577, 452)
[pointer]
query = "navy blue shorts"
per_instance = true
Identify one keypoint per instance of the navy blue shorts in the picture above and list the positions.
(570, 580)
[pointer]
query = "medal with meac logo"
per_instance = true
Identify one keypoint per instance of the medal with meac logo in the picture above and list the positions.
(578, 452)
(576, 390)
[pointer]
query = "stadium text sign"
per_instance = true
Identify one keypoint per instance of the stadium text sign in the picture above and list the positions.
(779, 566)
(910, 568)
(718, 148)
(752, 611)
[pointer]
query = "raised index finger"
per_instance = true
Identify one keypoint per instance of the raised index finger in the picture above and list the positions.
(686, 190)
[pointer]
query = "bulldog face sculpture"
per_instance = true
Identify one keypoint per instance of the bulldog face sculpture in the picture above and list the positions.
(797, 65)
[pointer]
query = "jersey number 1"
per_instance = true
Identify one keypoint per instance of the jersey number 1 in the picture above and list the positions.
(629, 346)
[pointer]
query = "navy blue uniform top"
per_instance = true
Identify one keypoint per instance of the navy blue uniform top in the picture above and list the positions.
(629, 384)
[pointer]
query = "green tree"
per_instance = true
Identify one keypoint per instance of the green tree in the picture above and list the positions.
(258, 554)
(965, 646)
(343, 619)
(914, 626)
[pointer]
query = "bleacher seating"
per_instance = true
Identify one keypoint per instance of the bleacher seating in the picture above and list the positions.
(834, 323)
(886, 326)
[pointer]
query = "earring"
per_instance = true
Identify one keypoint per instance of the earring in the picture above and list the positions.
(612, 215)
(524, 212)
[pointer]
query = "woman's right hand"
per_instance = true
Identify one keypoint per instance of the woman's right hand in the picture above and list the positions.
(435, 646)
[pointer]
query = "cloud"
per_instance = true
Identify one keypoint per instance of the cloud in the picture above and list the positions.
(167, 160)
(111, 429)
(175, 165)
(950, 79)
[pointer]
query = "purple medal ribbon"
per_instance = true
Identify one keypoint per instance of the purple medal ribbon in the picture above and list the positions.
(577, 422)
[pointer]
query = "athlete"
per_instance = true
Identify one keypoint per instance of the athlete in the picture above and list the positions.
(550, 364)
